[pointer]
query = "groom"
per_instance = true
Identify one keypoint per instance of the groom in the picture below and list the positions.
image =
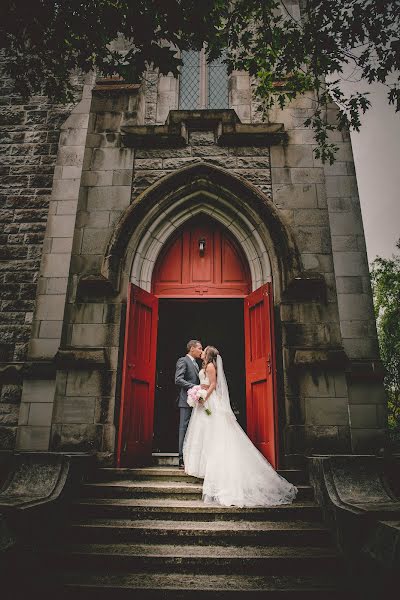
(186, 376)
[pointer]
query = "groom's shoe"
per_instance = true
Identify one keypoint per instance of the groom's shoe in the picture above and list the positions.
(181, 463)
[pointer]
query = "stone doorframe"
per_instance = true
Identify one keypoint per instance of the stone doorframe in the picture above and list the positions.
(155, 215)
(250, 216)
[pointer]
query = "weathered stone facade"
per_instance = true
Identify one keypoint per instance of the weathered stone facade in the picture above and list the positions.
(129, 169)
(29, 138)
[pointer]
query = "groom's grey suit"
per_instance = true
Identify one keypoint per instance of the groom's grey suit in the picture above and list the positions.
(186, 376)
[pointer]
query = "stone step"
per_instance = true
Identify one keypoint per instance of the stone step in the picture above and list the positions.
(202, 533)
(159, 489)
(262, 560)
(295, 476)
(157, 586)
(195, 510)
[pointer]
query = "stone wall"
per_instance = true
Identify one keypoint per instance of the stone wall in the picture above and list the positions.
(29, 136)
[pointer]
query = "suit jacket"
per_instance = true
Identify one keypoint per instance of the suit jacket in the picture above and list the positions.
(186, 376)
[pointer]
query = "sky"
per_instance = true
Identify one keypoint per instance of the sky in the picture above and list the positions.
(376, 150)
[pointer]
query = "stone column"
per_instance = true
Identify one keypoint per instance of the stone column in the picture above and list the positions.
(83, 418)
(38, 390)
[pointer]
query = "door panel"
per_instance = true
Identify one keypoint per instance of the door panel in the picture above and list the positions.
(260, 371)
(137, 400)
(219, 269)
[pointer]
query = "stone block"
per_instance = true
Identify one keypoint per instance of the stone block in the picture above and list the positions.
(71, 156)
(112, 158)
(73, 137)
(40, 414)
(143, 179)
(294, 196)
(8, 414)
(327, 411)
(354, 329)
(50, 307)
(350, 264)
(61, 245)
(88, 313)
(151, 163)
(33, 438)
(363, 416)
(341, 186)
(344, 243)
(311, 217)
(65, 207)
(94, 334)
(75, 122)
(307, 175)
(318, 384)
(70, 172)
(314, 239)
(367, 393)
(354, 307)
(321, 263)
(163, 152)
(60, 226)
(55, 265)
(292, 155)
(179, 163)
(367, 441)
(328, 439)
(43, 348)
(280, 175)
(253, 162)
(361, 348)
(122, 177)
(346, 223)
(85, 383)
(203, 151)
(77, 437)
(94, 241)
(108, 198)
(74, 410)
(38, 390)
(56, 285)
(23, 413)
(7, 437)
(97, 178)
(11, 393)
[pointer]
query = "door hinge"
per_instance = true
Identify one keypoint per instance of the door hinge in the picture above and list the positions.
(269, 366)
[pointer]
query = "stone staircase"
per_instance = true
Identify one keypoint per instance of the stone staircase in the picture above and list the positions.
(146, 533)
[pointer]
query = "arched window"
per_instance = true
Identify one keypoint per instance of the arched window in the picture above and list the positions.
(202, 85)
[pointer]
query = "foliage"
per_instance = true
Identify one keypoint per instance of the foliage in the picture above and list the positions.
(385, 276)
(287, 54)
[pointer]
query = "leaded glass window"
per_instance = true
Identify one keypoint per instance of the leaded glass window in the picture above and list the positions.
(202, 85)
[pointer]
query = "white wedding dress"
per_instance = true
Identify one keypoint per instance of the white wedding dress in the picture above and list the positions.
(217, 449)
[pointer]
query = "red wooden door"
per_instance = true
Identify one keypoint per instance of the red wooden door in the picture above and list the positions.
(138, 379)
(202, 259)
(260, 371)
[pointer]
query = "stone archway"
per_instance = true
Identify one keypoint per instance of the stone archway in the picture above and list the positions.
(250, 215)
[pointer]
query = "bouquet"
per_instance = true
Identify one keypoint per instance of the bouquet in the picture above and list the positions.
(196, 396)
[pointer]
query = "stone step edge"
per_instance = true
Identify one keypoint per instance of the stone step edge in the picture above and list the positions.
(192, 551)
(195, 526)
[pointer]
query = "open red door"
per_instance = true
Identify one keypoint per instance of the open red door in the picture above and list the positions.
(138, 379)
(260, 371)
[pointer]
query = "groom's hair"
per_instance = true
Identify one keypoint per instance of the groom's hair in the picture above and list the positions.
(192, 343)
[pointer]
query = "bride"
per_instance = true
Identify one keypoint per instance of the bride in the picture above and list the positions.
(217, 449)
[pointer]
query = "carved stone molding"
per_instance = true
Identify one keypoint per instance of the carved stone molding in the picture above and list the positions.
(228, 130)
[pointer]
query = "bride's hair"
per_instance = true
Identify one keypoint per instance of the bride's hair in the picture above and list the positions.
(210, 356)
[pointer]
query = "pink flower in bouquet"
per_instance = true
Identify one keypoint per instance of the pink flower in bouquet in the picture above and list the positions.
(196, 396)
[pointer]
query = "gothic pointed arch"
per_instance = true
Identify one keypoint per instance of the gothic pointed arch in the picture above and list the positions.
(250, 215)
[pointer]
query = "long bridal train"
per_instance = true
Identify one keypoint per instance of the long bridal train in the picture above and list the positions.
(217, 449)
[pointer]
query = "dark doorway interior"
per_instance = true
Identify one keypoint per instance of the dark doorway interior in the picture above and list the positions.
(216, 322)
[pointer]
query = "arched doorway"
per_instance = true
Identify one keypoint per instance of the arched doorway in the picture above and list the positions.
(200, 288)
